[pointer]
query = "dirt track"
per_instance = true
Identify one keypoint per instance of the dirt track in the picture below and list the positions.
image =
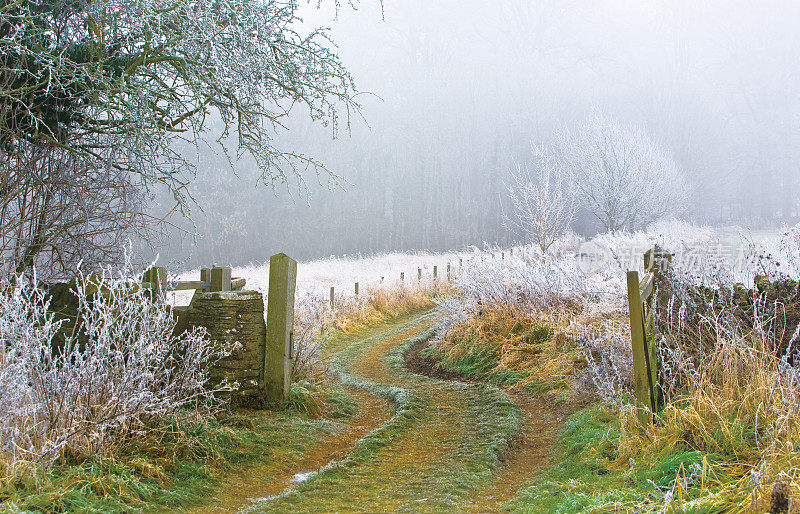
(449, 446)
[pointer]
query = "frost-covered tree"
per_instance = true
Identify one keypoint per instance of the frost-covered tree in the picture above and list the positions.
(542, 199)
(111, 89)
(624, 177)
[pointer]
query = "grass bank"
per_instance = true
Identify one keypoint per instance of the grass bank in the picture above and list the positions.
(700, 456)
(174, 467)
(503, 348)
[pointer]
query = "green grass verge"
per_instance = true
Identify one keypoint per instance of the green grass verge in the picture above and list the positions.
(173, 470)
(583, 476)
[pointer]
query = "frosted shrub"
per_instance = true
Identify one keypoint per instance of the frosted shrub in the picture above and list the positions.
(521, 280)
(582, 306)
(606, 349)
(626, 248)
(312, 315)
(779, 259)
(526, 282)
(118, 371)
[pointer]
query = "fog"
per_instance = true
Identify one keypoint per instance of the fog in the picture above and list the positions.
(454, 92)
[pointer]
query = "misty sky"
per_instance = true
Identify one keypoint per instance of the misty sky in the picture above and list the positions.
(454, 92)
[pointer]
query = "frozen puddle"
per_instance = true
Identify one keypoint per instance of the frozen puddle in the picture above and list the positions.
(298, 478)
(301, 477)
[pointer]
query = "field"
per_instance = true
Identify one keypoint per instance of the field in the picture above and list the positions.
(315, 278)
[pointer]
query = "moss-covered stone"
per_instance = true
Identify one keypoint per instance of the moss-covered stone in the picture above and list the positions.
(232, 317)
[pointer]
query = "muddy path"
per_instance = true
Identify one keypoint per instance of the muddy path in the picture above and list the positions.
(529, 450)
(423, 440)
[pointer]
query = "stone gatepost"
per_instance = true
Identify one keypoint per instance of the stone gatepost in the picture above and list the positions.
(232, 317)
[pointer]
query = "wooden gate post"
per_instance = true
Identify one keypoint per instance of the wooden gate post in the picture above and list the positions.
(220, 279)
(642, 367)
(280, 323)
(157, 277)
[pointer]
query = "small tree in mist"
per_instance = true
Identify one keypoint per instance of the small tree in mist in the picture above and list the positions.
(623, 177)
(542, 199)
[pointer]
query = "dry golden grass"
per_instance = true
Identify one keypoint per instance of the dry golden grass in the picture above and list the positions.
(506, 341)
(381, 303)
(741, 412)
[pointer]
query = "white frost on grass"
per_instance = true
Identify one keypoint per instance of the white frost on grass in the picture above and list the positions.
(318, 276)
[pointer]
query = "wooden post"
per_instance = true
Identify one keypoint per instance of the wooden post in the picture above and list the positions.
(448, 272)
(332, 304)
(419, 274)
(435, 272)
(356, 288)
(280, 324)
(157, 277)
(657, 260)
(402, 276)
(460, 262)
(220, 279)
(642, 367)
(205, 278)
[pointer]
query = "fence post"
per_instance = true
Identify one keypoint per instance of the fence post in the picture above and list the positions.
(157, 277)
(280, 323)
(642, 367)
(419, 274)
(448, 271)
(205, 278)
(657, 261)
(402, 276)
(220, 279)
(435, 272)
(332, 304)
(356, 288)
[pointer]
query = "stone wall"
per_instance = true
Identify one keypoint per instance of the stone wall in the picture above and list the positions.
(235, 317)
